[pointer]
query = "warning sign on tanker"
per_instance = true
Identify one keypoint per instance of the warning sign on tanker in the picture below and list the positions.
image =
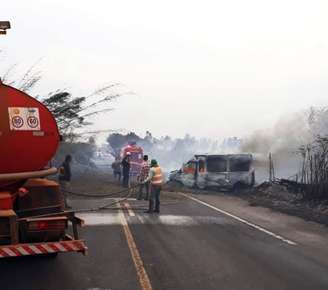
(24, 119)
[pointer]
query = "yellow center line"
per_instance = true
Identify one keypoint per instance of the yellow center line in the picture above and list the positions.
(128, 207)
(138, 264)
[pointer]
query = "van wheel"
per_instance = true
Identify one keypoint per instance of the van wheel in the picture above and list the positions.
(201, 187)
(174, 185)
(238, 187)
(252, 179)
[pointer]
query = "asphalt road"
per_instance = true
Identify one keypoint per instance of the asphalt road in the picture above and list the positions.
(218, 244)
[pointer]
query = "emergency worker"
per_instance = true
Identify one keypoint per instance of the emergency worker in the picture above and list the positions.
(65, 175)
(145, 167)
(117, 169)
(126, 165)
(156, 181)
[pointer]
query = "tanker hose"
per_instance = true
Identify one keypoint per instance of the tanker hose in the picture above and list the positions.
(26, 175)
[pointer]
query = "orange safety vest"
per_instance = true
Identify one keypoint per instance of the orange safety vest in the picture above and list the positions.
(157, 179)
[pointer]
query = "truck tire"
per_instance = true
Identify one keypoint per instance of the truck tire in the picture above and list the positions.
(201, 187)
(51, 256)
(238, 187)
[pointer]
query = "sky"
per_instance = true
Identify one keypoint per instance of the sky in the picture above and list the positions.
(208, 68)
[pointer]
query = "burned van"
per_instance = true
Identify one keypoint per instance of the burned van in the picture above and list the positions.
(227, 172)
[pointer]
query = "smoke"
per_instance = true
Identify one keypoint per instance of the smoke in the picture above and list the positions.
(285, 137)
(170, 152)
(284, 141)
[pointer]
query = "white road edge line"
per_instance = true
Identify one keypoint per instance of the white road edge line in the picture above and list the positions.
(242, 220)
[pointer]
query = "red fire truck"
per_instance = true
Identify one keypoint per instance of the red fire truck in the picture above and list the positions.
(136, 157)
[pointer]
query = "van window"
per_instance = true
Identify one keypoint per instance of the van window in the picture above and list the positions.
(190, 168)
(217, 164)
(201, 166)
(239, 164)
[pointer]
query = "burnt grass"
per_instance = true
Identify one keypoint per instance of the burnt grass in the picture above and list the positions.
(279, 198)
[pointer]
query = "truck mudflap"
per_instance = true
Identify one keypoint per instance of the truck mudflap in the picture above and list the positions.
(31, 249)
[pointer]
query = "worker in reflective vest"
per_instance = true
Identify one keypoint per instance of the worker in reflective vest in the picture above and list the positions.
(155, 178)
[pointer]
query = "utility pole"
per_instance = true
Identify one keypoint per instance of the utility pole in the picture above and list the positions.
(271, 169)
(4, 25)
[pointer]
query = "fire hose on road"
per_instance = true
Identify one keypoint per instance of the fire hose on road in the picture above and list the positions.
(102, 207)
(105, 206)
(109, 205)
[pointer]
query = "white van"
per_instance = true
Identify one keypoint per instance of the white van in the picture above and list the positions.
(227, 172)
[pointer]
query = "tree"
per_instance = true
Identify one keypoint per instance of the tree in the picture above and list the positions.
(117, 141)
(314, 171)
(75, 112)
(24, 83)
(69, 111)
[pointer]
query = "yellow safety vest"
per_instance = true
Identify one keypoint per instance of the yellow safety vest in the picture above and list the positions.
(157, 179)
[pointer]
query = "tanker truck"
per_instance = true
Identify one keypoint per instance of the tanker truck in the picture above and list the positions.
(33, 220)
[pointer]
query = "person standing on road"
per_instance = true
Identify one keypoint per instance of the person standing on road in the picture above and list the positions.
(126, 165)
(145, 167)
(117, 169)
(155, 178)
(65, 175)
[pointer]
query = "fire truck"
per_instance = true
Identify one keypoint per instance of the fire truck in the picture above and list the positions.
(136, 153)
(33, 220)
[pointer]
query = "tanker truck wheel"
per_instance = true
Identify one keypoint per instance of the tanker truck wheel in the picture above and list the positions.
(50, 256)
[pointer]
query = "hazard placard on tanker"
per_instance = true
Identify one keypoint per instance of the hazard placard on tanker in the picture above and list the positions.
(24, 119)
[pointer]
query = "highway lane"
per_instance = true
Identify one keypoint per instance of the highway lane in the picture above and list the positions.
(107, 266)
(187, 246)
(217, 252)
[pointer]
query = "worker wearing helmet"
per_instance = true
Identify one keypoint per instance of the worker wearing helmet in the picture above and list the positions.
(155, 178)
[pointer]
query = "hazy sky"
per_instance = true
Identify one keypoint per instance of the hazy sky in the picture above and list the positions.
(208, 68)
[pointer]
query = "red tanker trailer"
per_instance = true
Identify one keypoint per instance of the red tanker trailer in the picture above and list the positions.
(32, 216)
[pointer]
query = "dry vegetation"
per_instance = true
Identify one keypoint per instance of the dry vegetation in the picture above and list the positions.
(314, 172)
